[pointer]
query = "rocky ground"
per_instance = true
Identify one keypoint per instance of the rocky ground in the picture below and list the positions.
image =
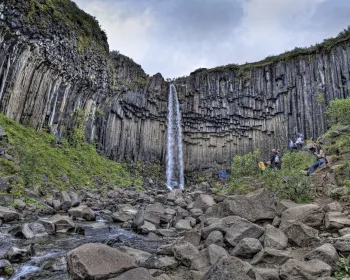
(195, 234)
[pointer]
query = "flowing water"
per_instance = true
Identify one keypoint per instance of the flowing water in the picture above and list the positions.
(174, 167)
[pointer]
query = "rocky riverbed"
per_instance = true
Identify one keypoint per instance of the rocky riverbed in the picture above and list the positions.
(195, 234)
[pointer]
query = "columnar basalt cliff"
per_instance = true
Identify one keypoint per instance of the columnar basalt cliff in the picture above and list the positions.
(55, 65)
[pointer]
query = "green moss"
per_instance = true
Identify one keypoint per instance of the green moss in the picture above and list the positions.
(42, 161)
(320, 100)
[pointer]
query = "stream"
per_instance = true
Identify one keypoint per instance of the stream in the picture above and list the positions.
(48, 254)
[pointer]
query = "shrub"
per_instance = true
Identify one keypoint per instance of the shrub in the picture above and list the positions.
(339, 111)
(343, 268)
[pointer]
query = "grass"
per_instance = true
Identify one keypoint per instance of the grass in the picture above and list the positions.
(43, 162)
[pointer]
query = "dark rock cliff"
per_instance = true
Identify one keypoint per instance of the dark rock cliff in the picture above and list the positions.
(55, 63)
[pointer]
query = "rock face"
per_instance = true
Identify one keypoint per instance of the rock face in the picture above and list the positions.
(51, 72)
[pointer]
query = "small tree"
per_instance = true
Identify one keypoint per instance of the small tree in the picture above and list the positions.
(339, 111)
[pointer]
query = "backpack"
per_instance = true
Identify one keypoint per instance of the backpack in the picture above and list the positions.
(277, 159)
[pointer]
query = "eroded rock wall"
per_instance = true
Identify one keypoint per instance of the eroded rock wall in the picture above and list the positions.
(48, 76)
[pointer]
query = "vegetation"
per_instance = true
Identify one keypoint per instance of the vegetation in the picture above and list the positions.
(66, 14)
(343, 268)
(43, 162)
(320, 100)
(338, 111)
(290, 182)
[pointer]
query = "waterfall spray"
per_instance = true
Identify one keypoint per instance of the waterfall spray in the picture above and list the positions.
(174, 157)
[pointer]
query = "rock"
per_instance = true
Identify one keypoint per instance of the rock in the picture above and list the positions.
(268, 273)
(135, 274)
(310, 270)
(45, 209)
(163, 277)
(326, 253)
(26, 231)
(275, 238)
(333, 207)
(235, 228)
(140, 256)
(284, 204)
(38, 230)
(215, 253)
(247, 248)
(167, 232)
(192, 221)
(255, 206)
(83, 212)
(148, 227)
(19, 203)
(230, 268)
(163, 263)
(309, 214)
(276, 221)
(215, 237)
(174, 194)
(184, 252)
(65, 201)
(16, 255)
(74, 199)
(336, 220)
(342, 246)
(96, 229)
(170, 211)
(203, 202)
(344, 231)
(183, 225)
(139, 219)
(196, 212)
(58, 223)
(6, 268)
(207, 257)
(8, 215)
(271, 256)
(300, 234)
(98, 261)
(192, 237)
(60, 265)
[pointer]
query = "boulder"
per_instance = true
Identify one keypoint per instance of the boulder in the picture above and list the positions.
(96, 229)
(16, 255)
(342, 246)
(74, 199)
(83, 212)
(326, 253)
(300, 234)
(310, 270)
(6, 268)
(57, 223)
(163, 263)
(275, 238)
(309, 214)
(183, 225)
(195, 212)
(8, 215)
(37, 229)
(135, 274)
(344, 231)
(333, 207)
(98, 261)
(255, 206)
(271, 256)
(192, 237)
(230, 268)
(148, 227)
(215, 237)
(184, 252)
(174, 194)
(268, 273)
(203, 202)
(336, 220)
(65, 201)
(140, 256)
(285, 204)
(207, 257)
(247, 248)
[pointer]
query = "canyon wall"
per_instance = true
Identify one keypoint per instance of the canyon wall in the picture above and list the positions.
(53, 71)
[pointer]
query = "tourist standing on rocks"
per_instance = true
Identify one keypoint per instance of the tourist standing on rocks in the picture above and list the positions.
(261, 166)
(291, 145)
(299, 142)
(313, 146)
(321, 159)
(278, 159)
(272, 158)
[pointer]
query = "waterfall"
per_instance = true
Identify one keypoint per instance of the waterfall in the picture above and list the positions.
(174, 157)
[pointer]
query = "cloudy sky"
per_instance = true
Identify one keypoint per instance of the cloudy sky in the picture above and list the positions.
(175, 37)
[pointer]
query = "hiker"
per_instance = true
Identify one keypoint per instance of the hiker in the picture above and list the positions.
(313, 146)
(320, 162)
(272, 158)
(291, 145)
(278, 159)
(299, 142)
(223, 175)
(261, 166)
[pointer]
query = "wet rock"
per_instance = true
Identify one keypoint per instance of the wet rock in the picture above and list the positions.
(229, 267)
(8, 215)
(74, 199)
(300, 234)
(135, 274)
(148, 227)
(38, 230)
(247, 248)
(275, 238)
(60, 265)
(58, 223)
(336, 220)
(140, 256)
(271, 256)
(215, 237)
(98, 261)
(16, 255)
(309, 214)
(184, 252)
(183, 225)
(65, 201)
(326, 253)
(83, 212)
(311, 270)
(96, 229)
(6, 268)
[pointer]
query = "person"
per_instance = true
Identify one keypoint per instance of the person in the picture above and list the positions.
(291, 145)
(299, 142)
(321, 160)
(272, 158)
(223, 175)
(278, 159)
(313, 146)
(261, 166)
